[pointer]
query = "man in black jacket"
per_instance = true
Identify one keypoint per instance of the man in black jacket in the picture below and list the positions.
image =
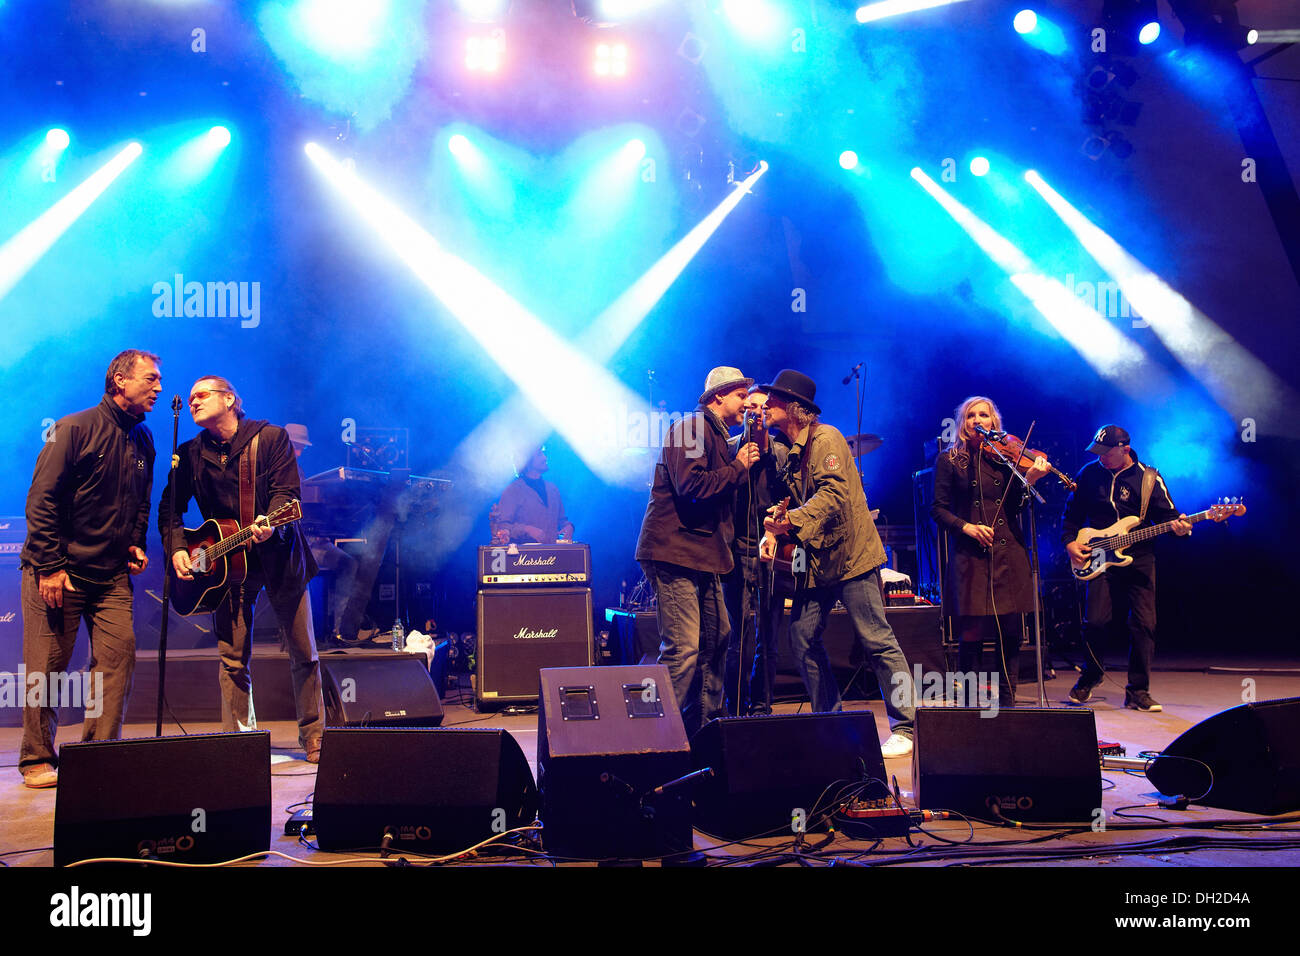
(211, 469)
(87, 515)
(1108, 489)
(685, 543)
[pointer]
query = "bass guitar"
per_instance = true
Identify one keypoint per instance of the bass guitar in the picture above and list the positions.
(219, 559)
(1108, 544)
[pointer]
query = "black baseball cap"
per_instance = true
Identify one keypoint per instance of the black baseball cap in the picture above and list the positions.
(1108, 436)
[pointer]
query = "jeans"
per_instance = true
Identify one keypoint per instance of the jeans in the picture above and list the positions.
(693, 630)
(49, 635)
(861, 598)
(232, 622)
(1129, 590)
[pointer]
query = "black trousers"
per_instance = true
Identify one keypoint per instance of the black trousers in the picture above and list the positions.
(1128, 595)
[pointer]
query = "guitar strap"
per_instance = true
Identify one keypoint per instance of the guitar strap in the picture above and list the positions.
(248, 483)
(1148, 485)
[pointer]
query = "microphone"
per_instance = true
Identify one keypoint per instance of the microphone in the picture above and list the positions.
(177, 405)
(990, 435)
(853, 373)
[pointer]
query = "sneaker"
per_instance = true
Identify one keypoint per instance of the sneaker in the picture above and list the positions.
(1141, 700)
(1081, 692)
(40, 776)
(896, 746)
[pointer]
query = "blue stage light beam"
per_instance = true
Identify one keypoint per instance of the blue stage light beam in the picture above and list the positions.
(848, 159)
(979, 166)
(25, 248)
(612, 327)
(58, 139)
(1240, 383)
(755, 20)
(509, 428)
(869, 13)
(1026, 21)
(1149, 33)
(524, 348)
(1100, 344)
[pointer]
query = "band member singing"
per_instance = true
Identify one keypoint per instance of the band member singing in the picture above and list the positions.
(829, 519)
(685, 542)
(988, 584)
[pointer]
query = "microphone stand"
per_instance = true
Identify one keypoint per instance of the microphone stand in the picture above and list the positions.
(1033, 557)
(167, 571)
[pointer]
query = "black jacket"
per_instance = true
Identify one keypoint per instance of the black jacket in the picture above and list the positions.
(89, 500)
(285, 559)
(1103, 497)
(689, 520)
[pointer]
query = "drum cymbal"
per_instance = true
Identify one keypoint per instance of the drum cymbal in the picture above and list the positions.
(861, 444)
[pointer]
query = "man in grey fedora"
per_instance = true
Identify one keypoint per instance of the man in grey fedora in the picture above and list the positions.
(829, 518)
(685, 542)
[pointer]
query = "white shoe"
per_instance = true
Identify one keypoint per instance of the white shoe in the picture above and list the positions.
(896, 746)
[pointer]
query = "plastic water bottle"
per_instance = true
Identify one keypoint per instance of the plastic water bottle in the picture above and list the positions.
(399, 636)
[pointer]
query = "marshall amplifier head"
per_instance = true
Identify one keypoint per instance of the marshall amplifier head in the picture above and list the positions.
(542, 565)
(522, 630)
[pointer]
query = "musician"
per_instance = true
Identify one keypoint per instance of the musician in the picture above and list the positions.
(212, 470)
(751, 649)
(87, 516)
(1116, 486)
(988, 585)
(685, 542)
(831, 522)
(531, 509)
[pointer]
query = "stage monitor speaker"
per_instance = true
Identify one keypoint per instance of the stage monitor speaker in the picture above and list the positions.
(1029, 764)
(434, 791)
(204, 798)
(1252, 751)
(606, 737)
(768, 769)
(394, 691)
(522, 630)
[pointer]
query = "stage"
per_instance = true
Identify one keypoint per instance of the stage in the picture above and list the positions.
(1136, 835)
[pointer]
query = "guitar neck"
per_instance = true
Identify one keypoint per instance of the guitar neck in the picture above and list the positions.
(1146, 534)
(232, 543)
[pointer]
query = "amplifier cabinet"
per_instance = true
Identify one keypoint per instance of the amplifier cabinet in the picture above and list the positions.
(522, 630)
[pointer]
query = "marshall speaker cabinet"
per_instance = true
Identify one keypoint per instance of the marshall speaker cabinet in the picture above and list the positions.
(523, 629)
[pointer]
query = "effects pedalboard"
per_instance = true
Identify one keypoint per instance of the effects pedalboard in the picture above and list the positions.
(883, 817)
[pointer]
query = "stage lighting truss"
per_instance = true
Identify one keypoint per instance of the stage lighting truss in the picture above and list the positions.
(484, 52)
(1096, 145)
(1213, 23)
(610, 59)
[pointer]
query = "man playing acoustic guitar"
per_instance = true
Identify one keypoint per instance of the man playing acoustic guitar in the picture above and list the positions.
(1116, 486)
(241, 469)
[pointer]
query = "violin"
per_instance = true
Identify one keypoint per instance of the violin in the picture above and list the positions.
(1020, 456)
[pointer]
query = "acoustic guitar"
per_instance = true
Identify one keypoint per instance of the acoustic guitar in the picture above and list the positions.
(219, 559)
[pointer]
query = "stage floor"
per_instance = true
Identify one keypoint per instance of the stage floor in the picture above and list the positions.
(1190, 689)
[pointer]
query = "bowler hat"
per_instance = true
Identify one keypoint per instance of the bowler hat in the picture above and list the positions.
(796, 385)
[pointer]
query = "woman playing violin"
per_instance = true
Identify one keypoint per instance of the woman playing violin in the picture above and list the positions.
(988, 585)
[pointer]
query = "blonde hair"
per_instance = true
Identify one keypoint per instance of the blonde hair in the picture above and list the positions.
(957, 449)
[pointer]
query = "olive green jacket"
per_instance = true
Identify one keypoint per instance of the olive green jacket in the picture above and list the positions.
(833, 522)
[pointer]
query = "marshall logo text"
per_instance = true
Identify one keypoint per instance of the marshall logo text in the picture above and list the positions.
(524, 634)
